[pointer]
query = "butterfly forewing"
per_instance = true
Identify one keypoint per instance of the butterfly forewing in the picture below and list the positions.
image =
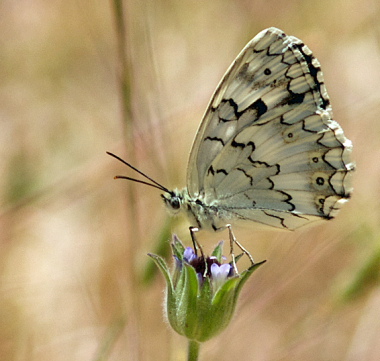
(267, 149)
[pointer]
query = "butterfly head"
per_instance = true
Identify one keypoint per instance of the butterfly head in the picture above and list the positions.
(174, 200)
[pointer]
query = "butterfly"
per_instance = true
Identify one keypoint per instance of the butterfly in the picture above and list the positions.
(267, 149)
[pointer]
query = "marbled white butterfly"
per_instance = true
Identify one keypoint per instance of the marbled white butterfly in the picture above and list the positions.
(267, 149)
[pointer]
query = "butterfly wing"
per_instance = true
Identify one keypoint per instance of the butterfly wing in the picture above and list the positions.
(267, 149)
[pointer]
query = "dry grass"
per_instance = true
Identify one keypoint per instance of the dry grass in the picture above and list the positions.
(73, 247)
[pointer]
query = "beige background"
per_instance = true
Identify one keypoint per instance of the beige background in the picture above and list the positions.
(73, 241)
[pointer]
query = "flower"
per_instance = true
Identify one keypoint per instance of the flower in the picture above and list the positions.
(202, 292)
(189, 255)
(219, 274)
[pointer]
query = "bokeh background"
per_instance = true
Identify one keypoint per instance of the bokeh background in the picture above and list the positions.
(75, 280)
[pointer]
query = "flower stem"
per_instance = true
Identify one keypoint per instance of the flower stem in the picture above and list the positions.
(193, 351)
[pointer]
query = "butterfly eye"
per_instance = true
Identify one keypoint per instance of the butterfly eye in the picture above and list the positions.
(172, 201)
(175, 203)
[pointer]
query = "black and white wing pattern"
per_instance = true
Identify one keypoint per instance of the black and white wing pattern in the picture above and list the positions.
(268, 149)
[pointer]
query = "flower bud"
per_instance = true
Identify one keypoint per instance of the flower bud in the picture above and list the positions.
(201, 292)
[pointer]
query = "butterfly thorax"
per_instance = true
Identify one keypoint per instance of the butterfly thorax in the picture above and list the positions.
(202, 214)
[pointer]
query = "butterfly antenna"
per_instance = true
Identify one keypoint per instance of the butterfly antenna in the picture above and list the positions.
(155, 184)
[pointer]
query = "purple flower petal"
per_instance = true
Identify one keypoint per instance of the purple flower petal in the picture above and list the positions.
(219, 274)
(189, 254)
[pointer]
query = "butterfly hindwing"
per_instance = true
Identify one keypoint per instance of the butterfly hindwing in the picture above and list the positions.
(267, 149)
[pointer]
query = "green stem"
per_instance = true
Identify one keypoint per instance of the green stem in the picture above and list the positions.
(193, 352)
(121, 16)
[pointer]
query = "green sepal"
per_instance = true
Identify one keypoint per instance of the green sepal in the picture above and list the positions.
(178, 248)
(182, 302)
(246, 274)
(218, 252)
(160, 262)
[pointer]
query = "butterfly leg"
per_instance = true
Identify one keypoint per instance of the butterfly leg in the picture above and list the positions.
(233, 241)
(197, 246)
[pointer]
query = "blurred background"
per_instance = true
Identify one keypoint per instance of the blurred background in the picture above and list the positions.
(75, 279)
